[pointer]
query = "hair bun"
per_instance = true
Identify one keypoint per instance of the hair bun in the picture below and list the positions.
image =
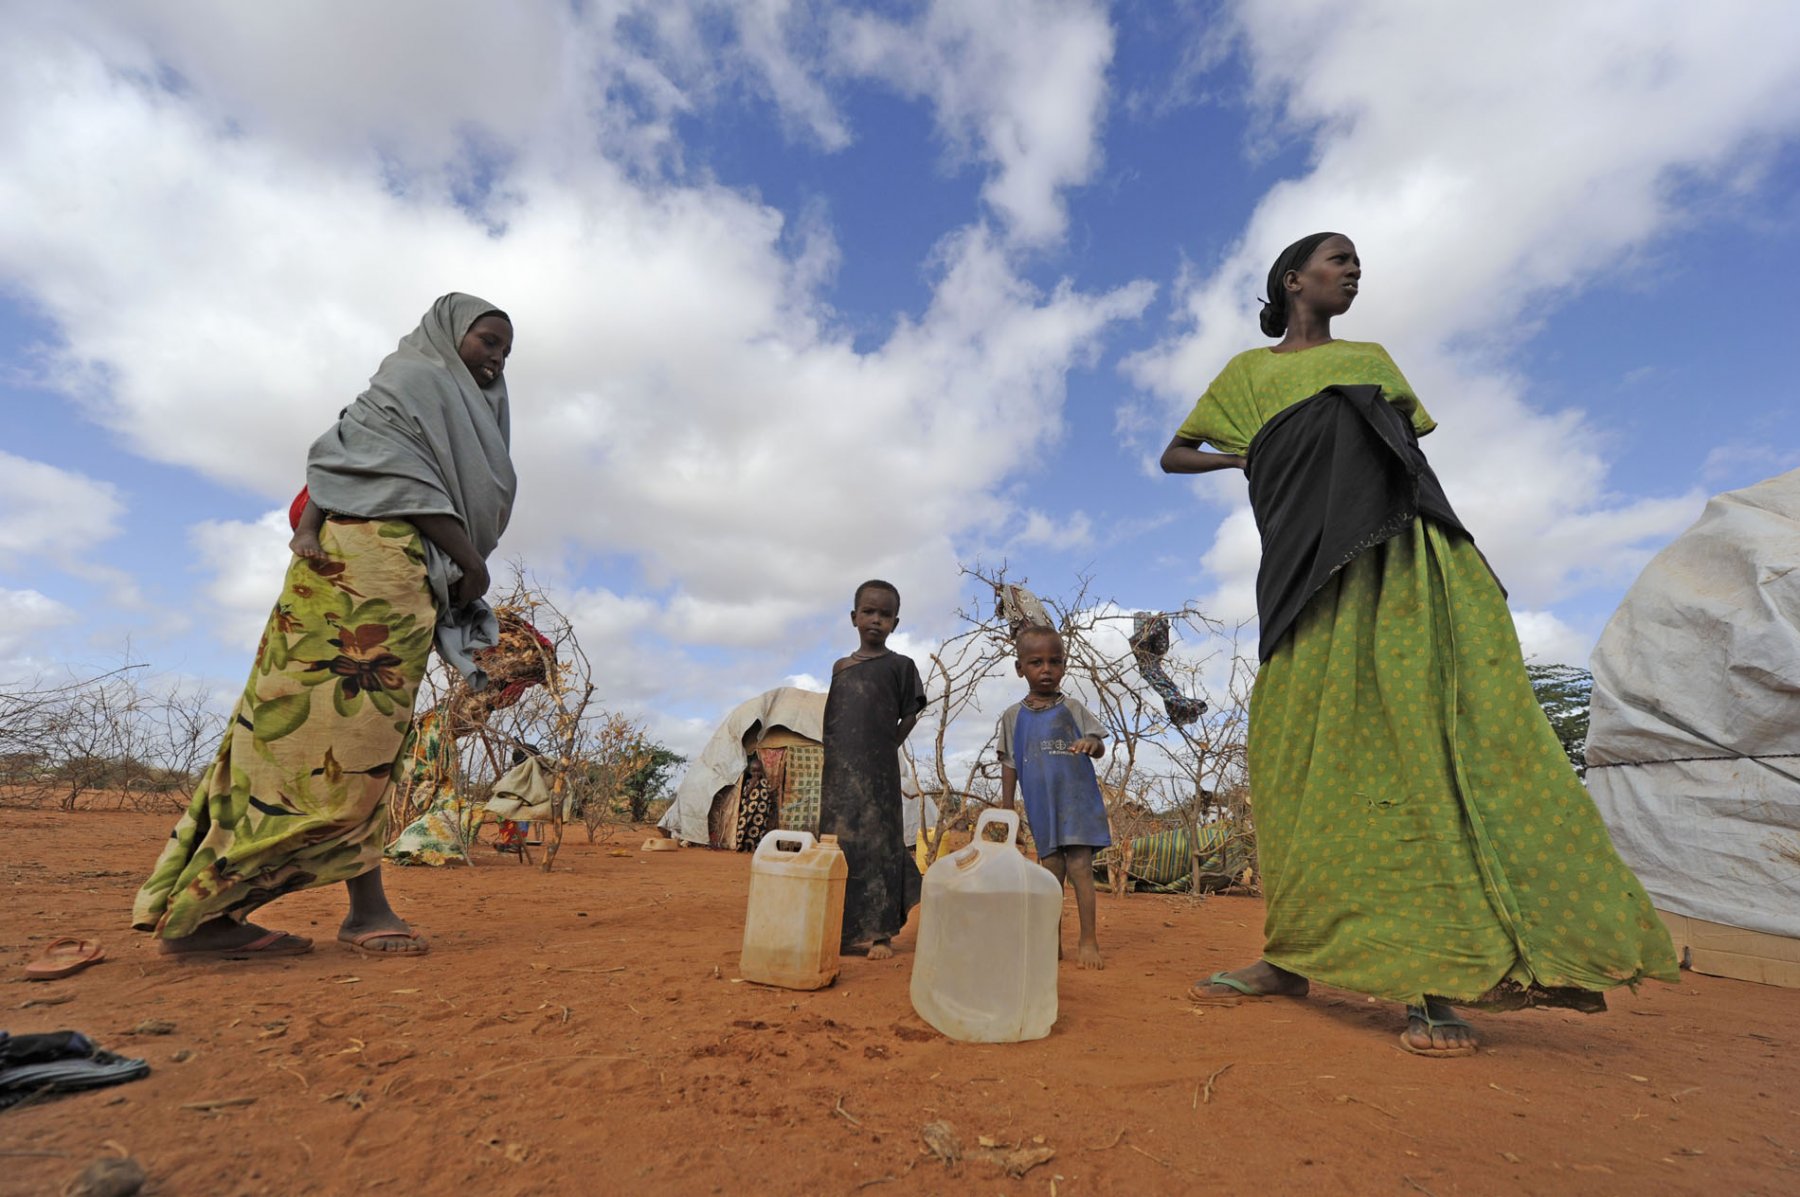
(1273, 319)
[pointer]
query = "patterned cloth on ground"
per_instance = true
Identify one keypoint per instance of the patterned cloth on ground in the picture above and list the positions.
(1165, 861)
(296, 795)
(1419, 829)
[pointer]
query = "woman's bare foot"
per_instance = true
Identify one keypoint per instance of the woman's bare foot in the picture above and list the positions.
(306, 544)
(217, 936)
(881, 949)
(1258, 980)
(1087, 954)
(1434, 1030)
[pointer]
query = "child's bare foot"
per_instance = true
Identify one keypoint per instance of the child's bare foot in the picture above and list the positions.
(306, 544)
(1087, 954)
(881, 949)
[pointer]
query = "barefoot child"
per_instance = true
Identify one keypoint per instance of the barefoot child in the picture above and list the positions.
(876, 696)
(306, 519)
(1045, 745)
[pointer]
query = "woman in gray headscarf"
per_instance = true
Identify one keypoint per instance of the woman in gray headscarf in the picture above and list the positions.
(417, 484)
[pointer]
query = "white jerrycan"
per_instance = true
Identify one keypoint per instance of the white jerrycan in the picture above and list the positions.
(796, 911)
(984, 970)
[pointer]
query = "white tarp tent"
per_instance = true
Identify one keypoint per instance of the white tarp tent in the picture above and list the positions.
(1694, 738)
(721, 762)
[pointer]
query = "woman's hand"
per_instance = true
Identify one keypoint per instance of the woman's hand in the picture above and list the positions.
(446, 532)
(1184, 456)
(472, 585)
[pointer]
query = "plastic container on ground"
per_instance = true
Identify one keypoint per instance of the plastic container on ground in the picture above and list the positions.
(984, 970)
(796, 911)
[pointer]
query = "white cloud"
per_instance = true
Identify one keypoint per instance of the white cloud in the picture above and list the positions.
(1019, 83)
(1738, 459)
(58, 517)
(1547, 640)
(52, 513)
(1489, 161)
(682, 401)
(1073, 531)
(25, 615)
(246, 562)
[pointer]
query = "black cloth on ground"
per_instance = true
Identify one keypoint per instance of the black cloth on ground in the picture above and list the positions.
(1336, 473)
(859, 792)
(58, 1062)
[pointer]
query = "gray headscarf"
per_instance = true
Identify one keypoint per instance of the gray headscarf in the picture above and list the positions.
(427, 439)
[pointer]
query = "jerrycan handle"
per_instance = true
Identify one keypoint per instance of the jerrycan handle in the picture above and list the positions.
(766, 845)
(1008, 817)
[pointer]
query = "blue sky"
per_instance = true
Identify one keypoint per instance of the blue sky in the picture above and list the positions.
(808, 293)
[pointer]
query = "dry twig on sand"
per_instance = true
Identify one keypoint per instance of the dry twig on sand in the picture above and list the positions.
(1206, 1094)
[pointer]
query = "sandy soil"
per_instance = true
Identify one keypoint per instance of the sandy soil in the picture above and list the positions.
(580, 1032)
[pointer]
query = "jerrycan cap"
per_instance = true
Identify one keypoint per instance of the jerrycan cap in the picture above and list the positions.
(828, 839)
(968, 856)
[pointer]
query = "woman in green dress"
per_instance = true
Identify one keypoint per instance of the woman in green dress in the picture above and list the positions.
(1422, 836)
(416, 483)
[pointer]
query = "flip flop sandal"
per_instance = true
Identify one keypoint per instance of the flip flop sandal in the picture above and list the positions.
(271, 943)
(1422, 1014)
(63, 1076)
(64, 958)
(1198, 995)
(360, 943)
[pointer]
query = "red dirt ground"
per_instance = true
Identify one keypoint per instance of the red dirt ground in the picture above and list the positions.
(579, 1032)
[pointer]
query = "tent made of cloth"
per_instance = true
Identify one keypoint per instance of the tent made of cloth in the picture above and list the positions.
(1693, 744)
(785, 719)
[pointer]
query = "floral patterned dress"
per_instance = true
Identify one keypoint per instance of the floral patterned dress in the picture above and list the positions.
(295, 796)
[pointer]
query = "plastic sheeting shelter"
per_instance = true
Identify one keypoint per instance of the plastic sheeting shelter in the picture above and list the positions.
(1694, 738)
(785, 719)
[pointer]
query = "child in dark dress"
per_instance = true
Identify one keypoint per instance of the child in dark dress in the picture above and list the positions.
(1046, 743)
(876, 696)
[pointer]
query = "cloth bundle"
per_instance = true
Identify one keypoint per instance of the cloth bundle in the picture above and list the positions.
(522, 794)
(58, 1062)
(1149, 645)
(1020, 609)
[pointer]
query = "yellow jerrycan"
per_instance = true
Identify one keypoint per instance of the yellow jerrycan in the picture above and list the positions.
(984, 970)
(796, 911)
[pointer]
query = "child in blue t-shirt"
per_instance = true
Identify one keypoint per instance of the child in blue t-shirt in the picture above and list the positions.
(1046, 745)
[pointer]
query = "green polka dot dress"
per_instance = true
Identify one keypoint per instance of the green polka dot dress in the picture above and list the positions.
(1419, 827)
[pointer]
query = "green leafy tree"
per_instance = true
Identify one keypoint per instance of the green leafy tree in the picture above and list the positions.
(1563, 692)
(650, 780)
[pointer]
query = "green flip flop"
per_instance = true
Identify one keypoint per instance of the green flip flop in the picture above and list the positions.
(1198, 995)
(1423, 1014)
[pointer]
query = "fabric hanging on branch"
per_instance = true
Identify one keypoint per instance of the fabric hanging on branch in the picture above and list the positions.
(1150, 644)
(1020, 609)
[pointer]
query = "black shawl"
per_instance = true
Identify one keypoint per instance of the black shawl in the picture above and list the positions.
(1334, 474)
